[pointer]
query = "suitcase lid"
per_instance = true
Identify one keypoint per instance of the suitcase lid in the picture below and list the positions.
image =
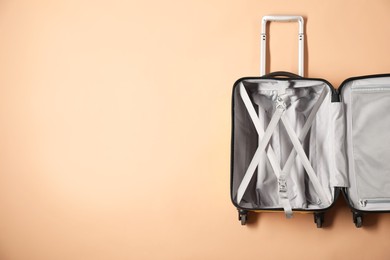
(366, 105)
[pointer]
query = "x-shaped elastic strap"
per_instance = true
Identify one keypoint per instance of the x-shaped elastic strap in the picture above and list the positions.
(265, 138)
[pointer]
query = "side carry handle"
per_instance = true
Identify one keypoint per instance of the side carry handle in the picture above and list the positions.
(282, 18)
(278, 74)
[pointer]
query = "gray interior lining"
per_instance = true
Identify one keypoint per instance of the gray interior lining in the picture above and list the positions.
(367, 106)
(318, 145)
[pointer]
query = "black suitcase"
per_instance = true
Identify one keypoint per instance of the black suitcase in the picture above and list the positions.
(298, 143)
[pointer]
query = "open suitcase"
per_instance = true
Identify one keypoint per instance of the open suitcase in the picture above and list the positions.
(298, 143)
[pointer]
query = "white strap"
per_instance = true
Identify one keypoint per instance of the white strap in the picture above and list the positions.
(272, 157)
(291, 158)
(255, 119)
(256, 157)
(275, 164)
(305, 161)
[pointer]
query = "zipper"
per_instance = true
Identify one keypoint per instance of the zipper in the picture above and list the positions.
(361, 77)
(373, 87)
(364, 202)
(286, 79)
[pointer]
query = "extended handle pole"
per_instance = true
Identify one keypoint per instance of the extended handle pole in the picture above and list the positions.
(284, 18)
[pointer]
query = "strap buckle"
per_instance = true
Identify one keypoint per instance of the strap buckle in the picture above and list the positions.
(283, 196)
(282, 184)
(280, 104)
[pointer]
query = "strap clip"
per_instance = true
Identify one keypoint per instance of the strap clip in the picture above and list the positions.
(280, 104)
(282, 184)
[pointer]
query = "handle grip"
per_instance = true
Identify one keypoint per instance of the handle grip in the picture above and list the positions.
(282, 18)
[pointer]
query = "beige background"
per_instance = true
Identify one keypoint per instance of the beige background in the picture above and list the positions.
(115, 126)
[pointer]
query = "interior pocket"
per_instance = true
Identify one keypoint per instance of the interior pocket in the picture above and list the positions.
(371, 141)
